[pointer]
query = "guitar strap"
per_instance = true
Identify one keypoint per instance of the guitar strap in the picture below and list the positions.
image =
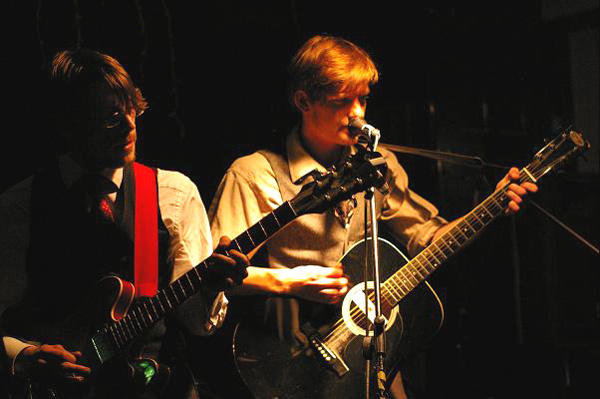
(146, 231)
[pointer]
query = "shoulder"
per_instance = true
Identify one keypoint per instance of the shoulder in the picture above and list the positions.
(176, 190)
(171, 179)
(390, 157)
(248, 165)
(392, 162)
(253, 170)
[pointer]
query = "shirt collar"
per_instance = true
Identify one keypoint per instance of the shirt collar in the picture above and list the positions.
(71, 171)
(299, 160)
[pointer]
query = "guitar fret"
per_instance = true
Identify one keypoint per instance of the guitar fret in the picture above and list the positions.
(177, 285)
(447, 245)
(151, 302)
(503, 198)
(244, 243)
(198, 276)
(174, 298)
(192, 288)
(413, 269)
(399, 283)
(143, 313)
(435, 262)
(276, 220)
(182, 288)
(134, 317)
(426, 266)
(470, 225)
(121, 333)
(166, 299)
(131, 321)
(126, 330)
(151, 318)
(484, 214)
(262, 228)
(251, 240)
(385, 298)
(406, 279)
(474, 221)
(438, 251)
(465, 229)
(116, 335)
(237, 245)
(392, 289)
(392, 281)
(162, 308)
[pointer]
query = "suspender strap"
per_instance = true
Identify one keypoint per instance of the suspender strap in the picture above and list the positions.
(146, 231)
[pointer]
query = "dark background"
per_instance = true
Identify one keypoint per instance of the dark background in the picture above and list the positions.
(492, 80)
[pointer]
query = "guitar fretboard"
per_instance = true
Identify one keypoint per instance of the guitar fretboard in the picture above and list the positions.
(427, 261)
(148, 311)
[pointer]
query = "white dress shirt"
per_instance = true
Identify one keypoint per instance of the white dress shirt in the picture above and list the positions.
(183, 215)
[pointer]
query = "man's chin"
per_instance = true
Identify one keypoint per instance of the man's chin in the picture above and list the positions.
(120, 161)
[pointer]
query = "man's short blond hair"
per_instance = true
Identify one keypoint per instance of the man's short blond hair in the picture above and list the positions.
(326, 65)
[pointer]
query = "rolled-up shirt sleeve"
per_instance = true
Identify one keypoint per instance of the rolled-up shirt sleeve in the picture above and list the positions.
(412, 219)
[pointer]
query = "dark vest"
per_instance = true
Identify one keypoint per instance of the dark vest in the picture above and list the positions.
(69, 251)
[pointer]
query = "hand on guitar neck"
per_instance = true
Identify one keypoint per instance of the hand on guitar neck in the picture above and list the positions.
(516, 192)
(226, 268)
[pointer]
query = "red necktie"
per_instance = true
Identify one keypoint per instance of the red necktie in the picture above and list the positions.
(95, 189)
(105, 208)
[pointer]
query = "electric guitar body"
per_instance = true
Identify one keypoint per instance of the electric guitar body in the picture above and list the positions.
(125, 375)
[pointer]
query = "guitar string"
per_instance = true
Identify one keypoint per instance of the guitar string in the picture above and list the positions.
(533, 168)
(470, 219)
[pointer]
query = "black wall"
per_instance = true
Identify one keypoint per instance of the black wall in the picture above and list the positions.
(494, 80)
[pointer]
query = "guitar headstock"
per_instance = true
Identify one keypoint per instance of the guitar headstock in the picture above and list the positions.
(560, 150)
(360, 172)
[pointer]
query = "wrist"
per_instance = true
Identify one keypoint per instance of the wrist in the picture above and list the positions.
(21, 361)
(280, 283)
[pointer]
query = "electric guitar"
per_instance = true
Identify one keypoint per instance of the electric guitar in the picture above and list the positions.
(328, 362)
(106, 330)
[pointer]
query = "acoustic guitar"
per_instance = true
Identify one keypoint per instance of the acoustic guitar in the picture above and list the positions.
(327, 361)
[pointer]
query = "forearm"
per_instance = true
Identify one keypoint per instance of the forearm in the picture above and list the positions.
(262, 280)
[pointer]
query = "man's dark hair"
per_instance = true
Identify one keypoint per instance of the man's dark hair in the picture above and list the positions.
(73, 71)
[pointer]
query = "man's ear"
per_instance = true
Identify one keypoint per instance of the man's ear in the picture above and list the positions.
(301, 100)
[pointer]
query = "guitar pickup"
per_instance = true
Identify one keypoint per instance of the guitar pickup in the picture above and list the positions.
(327, 356)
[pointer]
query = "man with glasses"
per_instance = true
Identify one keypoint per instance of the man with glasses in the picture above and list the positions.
(54, 244)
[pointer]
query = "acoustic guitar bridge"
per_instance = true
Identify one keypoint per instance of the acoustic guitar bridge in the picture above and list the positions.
(326, 355)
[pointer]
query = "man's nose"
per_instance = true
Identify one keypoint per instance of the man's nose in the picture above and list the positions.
(358, 109)
(127, 123)
(129, 120)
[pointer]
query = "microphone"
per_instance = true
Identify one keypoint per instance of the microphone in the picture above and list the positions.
(360, 126)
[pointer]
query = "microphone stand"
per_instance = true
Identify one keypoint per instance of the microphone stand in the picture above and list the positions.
(373, 345)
